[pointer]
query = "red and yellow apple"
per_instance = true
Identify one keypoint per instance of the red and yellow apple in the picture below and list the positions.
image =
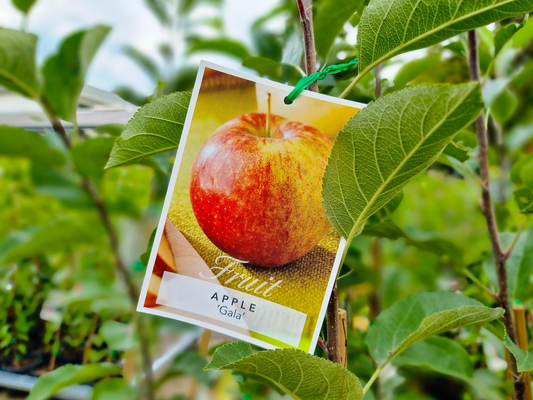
(256, 190)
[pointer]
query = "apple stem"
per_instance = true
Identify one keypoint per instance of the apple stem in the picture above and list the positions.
(268, 115)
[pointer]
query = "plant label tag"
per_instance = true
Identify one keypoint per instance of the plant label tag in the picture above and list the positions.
(243, 246)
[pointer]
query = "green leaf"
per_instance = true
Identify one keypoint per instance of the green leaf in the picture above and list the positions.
(187, 363)
(390, 207)
(127, 190)
(440, 354)
(62, 184)
(522, 170)
(23, 5)
(524, 358)
(421, 316)
(18, 68)
(525, 35)
(504, 106)
(434, 245)
(264, 66)
(522, 177)
(227, 46)
(505, 33)
(524, 199)
(18, 142)
(159, 9)
(267, 44)
(293, 48)
(520, 267)
(145, 257)
(387, 143)
(64, 73)
(113, 129)
(113, 389)
(518, 136)
(57, 235)
(91, 156)
(228, 354)
(388, 28)
(144, 61)
(155, 128)
(117, 335)
(458, 48)
(456, 151)
(52, 382)
(493, 88)
(301, 375)
(329, 22)
(413, 69)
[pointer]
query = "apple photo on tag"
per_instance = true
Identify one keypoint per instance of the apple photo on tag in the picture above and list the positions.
(245, 221)
(256, 187)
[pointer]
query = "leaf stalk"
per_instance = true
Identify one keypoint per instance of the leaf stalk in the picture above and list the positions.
(480, 284)
(373, 379)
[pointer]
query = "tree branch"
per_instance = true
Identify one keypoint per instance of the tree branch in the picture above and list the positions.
(305, 8)
(488, 212)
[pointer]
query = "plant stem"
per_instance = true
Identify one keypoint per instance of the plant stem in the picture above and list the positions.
(133, 293)
(372, 379)
(55, 349)
(305, 8)
(488, 212)
(90, 337)
(352, 85)
(480, 284)
(515, 239)
(332, 314)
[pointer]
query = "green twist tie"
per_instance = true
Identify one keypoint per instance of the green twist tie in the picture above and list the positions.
(306, 81)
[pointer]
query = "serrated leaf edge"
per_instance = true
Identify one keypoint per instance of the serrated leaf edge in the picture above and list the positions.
(399, 49)
(407, 342)
(359, 222)
(282, 387)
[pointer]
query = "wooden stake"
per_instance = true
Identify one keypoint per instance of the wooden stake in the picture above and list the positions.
(203, 349)
(332, 317)
(519, 315)
(343, 331)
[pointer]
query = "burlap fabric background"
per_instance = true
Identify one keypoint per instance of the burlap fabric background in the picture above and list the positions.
(221, 98)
